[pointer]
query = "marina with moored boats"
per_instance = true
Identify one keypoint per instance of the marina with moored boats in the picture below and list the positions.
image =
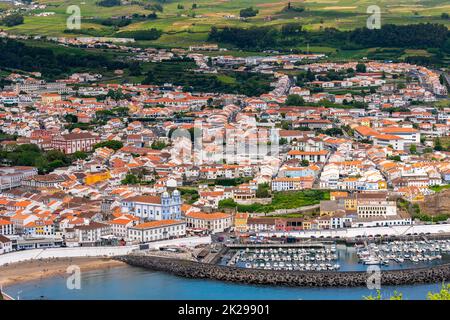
(401, 251)
(320, 259)
(389, 255)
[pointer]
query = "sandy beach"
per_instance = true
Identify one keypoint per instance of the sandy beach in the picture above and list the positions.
(40, 269)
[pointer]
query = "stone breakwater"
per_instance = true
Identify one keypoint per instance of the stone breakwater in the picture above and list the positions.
(198, 270)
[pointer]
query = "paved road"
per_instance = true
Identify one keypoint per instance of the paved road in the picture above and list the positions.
(364, 232)
(447, 78)
(18, 256)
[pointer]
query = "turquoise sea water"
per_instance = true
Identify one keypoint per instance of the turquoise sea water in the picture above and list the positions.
(128, 282)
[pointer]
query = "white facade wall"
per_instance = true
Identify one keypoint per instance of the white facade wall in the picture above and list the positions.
(7, 229)
(157, 233)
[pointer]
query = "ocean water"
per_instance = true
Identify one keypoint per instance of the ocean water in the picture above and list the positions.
(126, 282)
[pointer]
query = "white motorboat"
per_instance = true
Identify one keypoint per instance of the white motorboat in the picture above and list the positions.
(371, 261)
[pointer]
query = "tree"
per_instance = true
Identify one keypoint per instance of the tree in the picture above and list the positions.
(413, 149)
(55, 164)
(304, 163)
(111, 144)
(158, 145)
(294, 100)
(227, 204)
(149, 34)
(421, 35)
(334, 132)
(395, 296)
(12, 20)
(283, 141)
(79, 155)
(263, 190)
(130, 179)
(310, 75)
(108, 3)
(285, 125)
(444, 294)
(135, 68)
(54, 155)
(395, 158)
(291, 29)
(248, 12)
(438, 145)
(32, 155)
(194, 6)
(361, 67)
(71, 118)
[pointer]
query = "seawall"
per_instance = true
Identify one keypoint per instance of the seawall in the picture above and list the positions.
(101, 252)
(198, 270)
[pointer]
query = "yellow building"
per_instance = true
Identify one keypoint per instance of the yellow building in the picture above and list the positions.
(365, 122)
(39, 230)
(48, 98)
(240, 222)
(418, 198)
(334, 195)
(328, 207)
(323, 222)
(92, 178)
(350, 203)
(306, 225)
(382, 185)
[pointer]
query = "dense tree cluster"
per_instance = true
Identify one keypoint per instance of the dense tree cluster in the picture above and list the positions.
(154, 7)
(32, 155)
(110, 22)
(294, 100)
(423, 35)
(291, 29)
(158, 145)
(14, 54)
(111, 144)
(248, 12)
(178, 72)
(12, 20)
(151, 34)
(108, 3)
(104, 115)
(254, 38)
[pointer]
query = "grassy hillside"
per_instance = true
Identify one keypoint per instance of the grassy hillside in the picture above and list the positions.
(183, 26)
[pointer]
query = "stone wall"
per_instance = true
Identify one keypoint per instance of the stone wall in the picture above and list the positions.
(435, 204)
(254, 200)
(192, 269)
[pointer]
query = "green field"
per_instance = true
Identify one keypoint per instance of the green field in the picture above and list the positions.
(183, 27)
(280, 201)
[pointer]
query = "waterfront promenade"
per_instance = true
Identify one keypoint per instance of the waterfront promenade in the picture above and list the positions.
(350, 233)
(49, 253)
